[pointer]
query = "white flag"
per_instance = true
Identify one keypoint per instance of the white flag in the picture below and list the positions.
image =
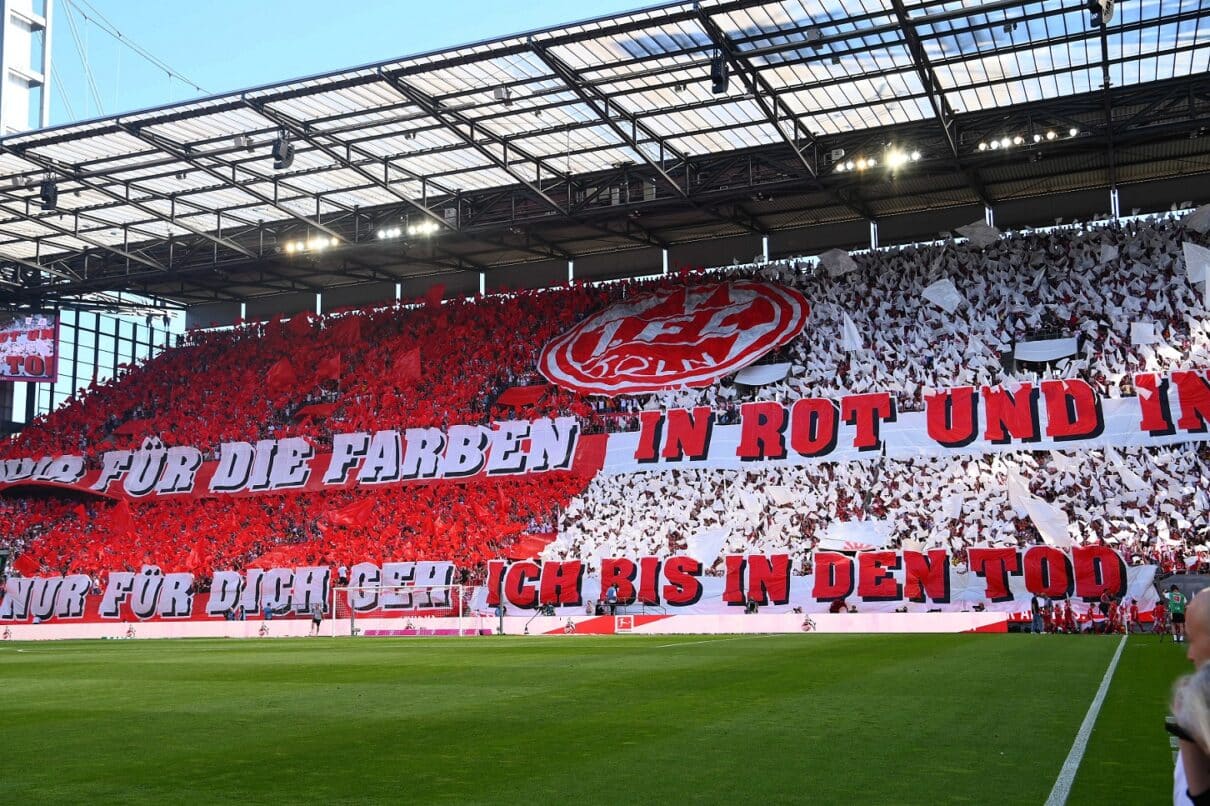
(856, 535)
(1197, 261)
(1131, 480)
(944, 295)
(1109, 252)
(1064, 463)
(1050, 521)
(1143, 333)
(951, 507)
(706, 545)
(1198, 220)
(837, 262)
(780, 496)
(850, 339)
(979, 234)
(1018, 494)
(762, 374)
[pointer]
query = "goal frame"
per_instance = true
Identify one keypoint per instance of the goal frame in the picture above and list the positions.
(449, 605)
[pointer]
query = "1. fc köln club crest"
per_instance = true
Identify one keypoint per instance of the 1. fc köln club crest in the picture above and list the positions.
(674, 338)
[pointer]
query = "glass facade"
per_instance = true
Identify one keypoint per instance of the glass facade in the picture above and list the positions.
(92, 344)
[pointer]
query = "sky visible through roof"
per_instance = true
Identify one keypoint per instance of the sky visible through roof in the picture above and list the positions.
(224, 45)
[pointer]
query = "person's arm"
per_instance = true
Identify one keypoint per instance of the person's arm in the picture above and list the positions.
(1197, 772)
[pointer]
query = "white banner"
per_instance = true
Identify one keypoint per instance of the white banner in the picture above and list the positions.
(1053, 415)
(1044, 350)
(987, 578)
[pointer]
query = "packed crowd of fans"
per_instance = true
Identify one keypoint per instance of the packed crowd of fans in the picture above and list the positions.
(432, 363)
(1085, 283)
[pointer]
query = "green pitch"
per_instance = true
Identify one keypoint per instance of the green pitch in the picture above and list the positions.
(984, 719)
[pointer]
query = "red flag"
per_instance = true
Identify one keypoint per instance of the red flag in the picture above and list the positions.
(27, 565)
(347, 331)
(518, 396)
(135, 427)
(435, 294)
(407, 367)
(194, 561)
(120, 517)
(299, 325)
(328, 369)
(281, 377)
(355, 514)
(81, 512)
(316, 410)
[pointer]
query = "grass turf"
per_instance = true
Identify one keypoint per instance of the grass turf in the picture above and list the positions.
(779, 719)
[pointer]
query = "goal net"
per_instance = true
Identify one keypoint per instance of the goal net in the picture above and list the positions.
(404, 611)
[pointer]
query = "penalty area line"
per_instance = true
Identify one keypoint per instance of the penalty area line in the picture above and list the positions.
(1067, 775)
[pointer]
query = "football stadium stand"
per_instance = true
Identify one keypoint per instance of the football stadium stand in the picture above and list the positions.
(540, 303)
(431, 364)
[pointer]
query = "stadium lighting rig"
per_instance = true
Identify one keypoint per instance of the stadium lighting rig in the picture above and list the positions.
(422, 229)
(317, 244)
(1019, 140)
(894, 158)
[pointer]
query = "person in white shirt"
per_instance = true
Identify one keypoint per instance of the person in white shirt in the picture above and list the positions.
(1191, 777)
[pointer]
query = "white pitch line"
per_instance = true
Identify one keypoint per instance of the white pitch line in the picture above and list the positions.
(711, 641)
(1067, 775)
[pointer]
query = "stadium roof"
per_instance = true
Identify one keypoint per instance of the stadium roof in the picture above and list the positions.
(604, 136)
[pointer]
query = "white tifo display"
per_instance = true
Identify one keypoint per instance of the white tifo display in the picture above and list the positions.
(403, 611)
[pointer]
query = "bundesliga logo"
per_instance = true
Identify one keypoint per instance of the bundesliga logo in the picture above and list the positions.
(674, 338)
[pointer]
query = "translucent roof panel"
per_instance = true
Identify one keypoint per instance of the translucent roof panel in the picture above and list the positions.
(578, 99)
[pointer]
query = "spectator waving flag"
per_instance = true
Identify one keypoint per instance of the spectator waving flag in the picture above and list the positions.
(944, 294)
(408, 367)
(328, 369)
(27, 565)
(281, 377)
(434, 295)
(299, 325)
(850, 336)
(1198, 220)
(346, 331)
(355, 514)
(120, 518)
